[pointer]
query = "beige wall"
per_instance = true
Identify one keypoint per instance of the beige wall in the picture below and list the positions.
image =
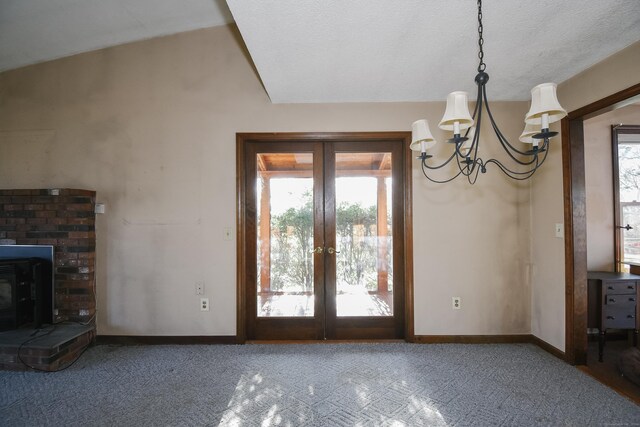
(599, 185)
(151, 126)
(616, 73)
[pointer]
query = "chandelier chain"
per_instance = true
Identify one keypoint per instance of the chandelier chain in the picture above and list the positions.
(481, 66)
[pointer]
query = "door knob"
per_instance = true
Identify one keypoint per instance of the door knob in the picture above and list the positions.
(317, 250)
(332, 250)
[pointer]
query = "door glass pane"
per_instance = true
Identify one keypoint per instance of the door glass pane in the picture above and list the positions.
(364, 267)
(285, 235)
(629, 178)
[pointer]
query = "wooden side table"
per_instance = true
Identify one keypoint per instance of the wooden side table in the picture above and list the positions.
(613, 304)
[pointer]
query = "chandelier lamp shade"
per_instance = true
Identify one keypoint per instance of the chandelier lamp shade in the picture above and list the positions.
(524, 159)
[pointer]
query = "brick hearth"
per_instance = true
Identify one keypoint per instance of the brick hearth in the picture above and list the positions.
(65, 219)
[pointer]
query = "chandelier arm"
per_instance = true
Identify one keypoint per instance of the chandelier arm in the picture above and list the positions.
(466, 168)
(545, 147)
(475, 144)
(476, 135)
(504, 141)
(475, 178)
(424, 172)
(478, 106)
(446, 162)
(520, 176)
(506, 149)
(469, 167)
(512, 174)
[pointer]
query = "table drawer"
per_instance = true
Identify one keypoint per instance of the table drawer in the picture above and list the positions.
(619, 287)
(619, 318)
(620, 300)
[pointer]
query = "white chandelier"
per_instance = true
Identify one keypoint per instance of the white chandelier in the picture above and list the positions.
(545, 109)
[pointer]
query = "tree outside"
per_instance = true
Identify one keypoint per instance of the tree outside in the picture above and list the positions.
(357, 240)
(291, 242)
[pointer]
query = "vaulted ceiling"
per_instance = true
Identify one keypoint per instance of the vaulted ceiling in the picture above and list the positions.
(33, 31)
(348, 51)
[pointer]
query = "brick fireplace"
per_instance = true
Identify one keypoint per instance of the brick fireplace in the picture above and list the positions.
(65, 219)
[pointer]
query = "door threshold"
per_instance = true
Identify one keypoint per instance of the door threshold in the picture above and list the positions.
(349, 341)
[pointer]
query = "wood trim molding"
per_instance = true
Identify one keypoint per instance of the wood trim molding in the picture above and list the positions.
(323, 136)
(568, 236)
(241, 332)
(241, 276)
(616, 130)
(165, 339)
(490, 339)
(231, 339)
(548, 347)
(605, 104)
(615, 169)
(575, 221)
(472, 339)
(575, 241)
(329, 341)
(409, 331)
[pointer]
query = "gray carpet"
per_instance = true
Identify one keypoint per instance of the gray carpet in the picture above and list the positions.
(315, 385)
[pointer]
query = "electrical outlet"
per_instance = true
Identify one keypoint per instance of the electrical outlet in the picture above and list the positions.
(204, 304)
(456, 303)
(199, 288)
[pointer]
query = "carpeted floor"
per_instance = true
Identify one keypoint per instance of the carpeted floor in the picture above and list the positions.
(316, 385)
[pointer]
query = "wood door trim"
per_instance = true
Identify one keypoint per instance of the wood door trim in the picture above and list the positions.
(330, 303)
(616, 199)
(615, 167)
(242, 138)
(281, 327)
(241, 333)
(409, 331)
(368, 326)
(576, 224)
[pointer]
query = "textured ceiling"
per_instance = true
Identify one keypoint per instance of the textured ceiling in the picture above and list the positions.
(39, 30)
(420, 50)
(348, 51)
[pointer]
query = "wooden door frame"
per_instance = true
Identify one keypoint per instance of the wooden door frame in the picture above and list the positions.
(365, 327)
(615, 166)
(403, 138)
(573, 174)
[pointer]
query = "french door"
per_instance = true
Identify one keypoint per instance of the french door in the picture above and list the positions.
(323, 238)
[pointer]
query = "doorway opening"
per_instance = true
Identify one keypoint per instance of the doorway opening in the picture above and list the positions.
(576, 244)
(324, 236)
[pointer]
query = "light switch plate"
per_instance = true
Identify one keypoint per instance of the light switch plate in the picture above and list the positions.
(560, 230)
